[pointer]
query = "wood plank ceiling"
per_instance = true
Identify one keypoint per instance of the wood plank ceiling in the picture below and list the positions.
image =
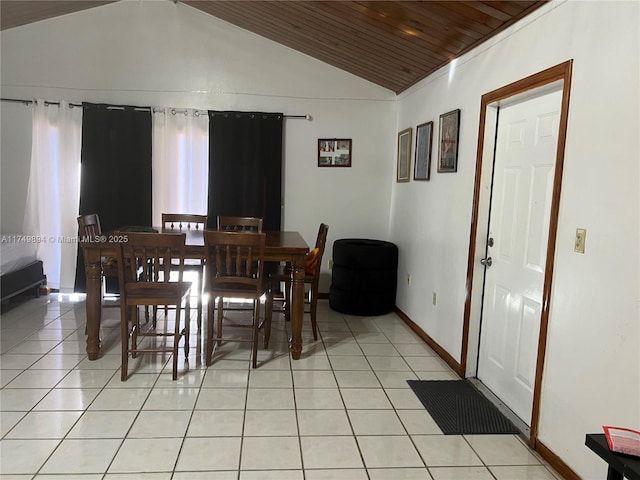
(393, 44)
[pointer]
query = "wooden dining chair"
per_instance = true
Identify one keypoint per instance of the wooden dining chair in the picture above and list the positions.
(311, 280)
(229, 223)
(89, 228)
(145, 262)
(185, 222)
(234, 266)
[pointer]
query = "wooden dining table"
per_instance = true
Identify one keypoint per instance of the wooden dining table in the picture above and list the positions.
(281, 246)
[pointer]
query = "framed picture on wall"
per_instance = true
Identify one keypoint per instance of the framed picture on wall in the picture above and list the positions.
(404, 155)
(422, 165)
(334, 152)
(448, 145)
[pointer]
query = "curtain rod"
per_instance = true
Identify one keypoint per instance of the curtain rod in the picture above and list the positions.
(142, 109)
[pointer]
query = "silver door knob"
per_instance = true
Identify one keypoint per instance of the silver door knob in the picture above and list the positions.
(487, 262)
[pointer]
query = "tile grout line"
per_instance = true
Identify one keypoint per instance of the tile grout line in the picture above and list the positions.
(193, 409)
(204, 371)
(295, 407)
(346, 410)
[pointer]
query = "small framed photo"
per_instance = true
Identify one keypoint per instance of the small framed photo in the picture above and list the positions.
(404, 155)
(449, 136)
(422, 165)
(334, 152)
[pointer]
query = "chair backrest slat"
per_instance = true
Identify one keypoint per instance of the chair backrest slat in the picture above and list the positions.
(89, 225)
(239, 224)
(321, 242)
(183, 222)
(150, 257)
(235, 258)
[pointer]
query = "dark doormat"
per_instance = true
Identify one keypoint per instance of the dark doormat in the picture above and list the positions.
(458, 408)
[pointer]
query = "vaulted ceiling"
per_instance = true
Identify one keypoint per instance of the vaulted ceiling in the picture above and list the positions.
(393, 44)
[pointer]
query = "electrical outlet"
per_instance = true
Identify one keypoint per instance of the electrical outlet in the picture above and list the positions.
(581, 238)
(409, 279)
(435, 297)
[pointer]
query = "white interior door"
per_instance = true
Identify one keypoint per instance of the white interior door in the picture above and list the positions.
(526, 144)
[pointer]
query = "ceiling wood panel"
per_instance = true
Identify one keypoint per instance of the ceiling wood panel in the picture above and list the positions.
(393, 44)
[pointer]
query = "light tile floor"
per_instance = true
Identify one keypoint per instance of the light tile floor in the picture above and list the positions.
(343, 411)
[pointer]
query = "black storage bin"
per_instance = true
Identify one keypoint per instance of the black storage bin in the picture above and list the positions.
(364, 277)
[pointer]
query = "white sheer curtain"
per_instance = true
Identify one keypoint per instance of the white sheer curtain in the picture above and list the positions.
(53, 194)
(180, 162)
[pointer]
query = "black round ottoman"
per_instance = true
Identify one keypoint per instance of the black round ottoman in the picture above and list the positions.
(364, 277)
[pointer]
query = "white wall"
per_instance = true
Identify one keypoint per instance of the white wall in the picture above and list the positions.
(161, 54)
(165, 54)
(592, 369)
(15, 161)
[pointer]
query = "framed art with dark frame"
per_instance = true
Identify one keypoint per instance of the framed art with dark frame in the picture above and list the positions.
(334, 152)
(449, 136)
(404, 155)
(422, 165)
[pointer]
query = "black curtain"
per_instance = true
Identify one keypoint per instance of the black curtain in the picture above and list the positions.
(115, 180)
(245, 166)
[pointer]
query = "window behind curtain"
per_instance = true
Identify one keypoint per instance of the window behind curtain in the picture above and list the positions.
(180, 162)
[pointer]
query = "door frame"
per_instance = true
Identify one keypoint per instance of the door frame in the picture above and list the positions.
(480, 210)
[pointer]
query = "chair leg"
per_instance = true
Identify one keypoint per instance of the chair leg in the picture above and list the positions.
(155, 316)
(255, 336)
(287, 301)
(135, 324)
(220, 316)
(176, 342)
(268, 314)
(210, 309)
(187, 329)
(124, 340)
(314, 323)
